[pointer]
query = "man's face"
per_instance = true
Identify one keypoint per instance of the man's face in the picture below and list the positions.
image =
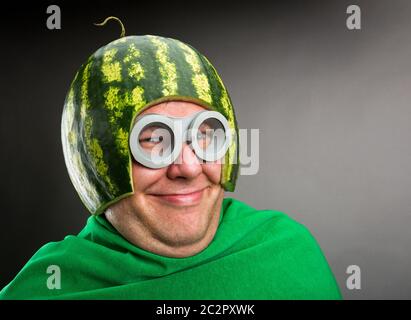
(174, 210)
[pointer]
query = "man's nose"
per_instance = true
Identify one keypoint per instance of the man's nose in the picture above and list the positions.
(187, 165)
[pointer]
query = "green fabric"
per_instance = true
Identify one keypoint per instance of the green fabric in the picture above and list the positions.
(255, 254)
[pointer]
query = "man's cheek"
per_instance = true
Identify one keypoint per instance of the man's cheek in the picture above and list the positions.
(213, 172)
(144, 177)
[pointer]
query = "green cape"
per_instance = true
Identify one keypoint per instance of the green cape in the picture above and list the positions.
(255, 254)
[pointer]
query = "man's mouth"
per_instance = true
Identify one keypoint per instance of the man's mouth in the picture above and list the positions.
(182, 199)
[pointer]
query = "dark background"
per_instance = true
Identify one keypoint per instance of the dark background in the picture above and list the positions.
(332, 106)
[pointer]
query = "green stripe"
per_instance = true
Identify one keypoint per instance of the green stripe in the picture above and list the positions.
(199, 79)
(184, 73)
(95, 127)
(80, 155)
(111, 67)
(152, 81)
(106, 147)
(167, 68)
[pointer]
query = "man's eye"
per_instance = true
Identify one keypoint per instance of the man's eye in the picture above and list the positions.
(204, 134)
(151, 139)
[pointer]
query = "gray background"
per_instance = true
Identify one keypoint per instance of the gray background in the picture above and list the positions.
(332, 106)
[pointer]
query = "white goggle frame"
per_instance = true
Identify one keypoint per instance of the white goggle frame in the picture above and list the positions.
(183, 130)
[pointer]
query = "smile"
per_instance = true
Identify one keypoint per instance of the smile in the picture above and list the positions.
(186, 199)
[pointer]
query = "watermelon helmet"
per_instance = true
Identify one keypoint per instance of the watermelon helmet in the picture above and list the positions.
(118, 82)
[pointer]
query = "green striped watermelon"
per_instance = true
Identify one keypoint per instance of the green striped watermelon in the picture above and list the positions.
(116, 83)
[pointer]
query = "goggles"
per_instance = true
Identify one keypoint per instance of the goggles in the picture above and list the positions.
(157, 140)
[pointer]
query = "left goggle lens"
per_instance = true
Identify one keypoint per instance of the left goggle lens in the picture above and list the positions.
(156, 140)
(153, 141)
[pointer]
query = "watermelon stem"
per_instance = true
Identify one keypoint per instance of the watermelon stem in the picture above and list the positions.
(123, 30)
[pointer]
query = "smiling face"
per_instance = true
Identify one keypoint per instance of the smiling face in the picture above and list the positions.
(174, 210)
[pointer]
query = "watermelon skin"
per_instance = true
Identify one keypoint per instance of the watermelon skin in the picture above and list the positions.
(116, 83)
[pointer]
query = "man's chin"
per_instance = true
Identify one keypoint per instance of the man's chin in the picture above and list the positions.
(179, 241)
(183, 226)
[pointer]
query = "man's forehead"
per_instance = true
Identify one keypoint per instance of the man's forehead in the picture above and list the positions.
(174, 108)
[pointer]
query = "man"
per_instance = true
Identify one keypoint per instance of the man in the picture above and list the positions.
(135, 133)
